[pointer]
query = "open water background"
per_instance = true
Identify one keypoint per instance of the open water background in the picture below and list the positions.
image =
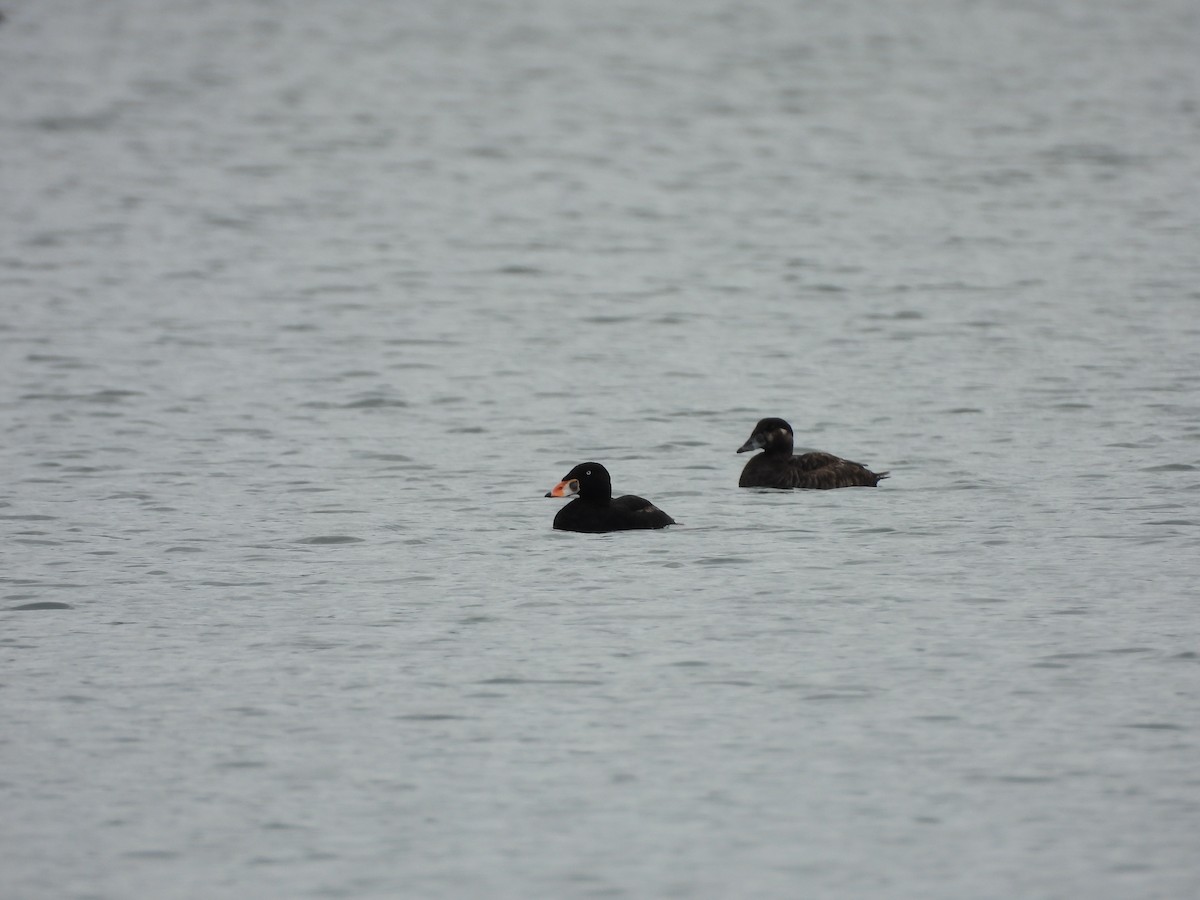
(306, 305)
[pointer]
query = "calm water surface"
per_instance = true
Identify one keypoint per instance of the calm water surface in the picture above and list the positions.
(304, 307)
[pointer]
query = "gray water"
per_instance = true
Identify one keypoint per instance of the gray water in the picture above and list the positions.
(305, 307)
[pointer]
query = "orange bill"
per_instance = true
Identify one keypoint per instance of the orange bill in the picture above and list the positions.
(564, 489)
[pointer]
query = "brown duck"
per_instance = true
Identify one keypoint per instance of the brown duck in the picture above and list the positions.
(776, 467)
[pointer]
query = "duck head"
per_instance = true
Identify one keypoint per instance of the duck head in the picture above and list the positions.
(588, 481)
(772, 435)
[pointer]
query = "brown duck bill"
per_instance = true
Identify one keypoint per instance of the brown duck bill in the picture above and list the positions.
(564, 489)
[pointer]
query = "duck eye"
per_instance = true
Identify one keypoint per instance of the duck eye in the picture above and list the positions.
(588, 472)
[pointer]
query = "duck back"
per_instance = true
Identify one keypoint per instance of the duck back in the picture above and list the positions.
(620, 514)
(814, 471)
